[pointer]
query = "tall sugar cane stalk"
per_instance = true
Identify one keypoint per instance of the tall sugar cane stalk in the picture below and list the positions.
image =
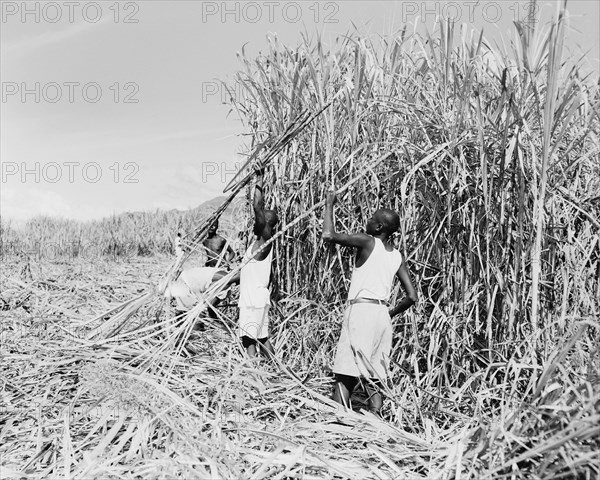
(553, 72)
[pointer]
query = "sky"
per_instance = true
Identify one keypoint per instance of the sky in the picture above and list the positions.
(116, 106)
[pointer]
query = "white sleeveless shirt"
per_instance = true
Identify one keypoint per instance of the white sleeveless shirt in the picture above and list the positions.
(375, 277)
(254, 280)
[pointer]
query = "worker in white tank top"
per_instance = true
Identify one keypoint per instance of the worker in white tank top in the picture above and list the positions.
(255, 276)
(254, 279)
(366, 339)
(375, 277)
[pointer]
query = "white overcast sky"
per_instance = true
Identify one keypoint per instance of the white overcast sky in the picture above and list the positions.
(76, 157)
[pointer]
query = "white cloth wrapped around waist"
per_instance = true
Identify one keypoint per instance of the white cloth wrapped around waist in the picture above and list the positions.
(187, 289)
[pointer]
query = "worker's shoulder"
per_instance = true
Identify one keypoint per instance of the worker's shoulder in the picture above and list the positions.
(215, 239)
(219, 240)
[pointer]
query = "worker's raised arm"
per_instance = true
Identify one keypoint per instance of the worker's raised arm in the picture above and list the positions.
(258, 204)
(358, 240)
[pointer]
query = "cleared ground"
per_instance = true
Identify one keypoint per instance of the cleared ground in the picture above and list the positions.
(84, 398)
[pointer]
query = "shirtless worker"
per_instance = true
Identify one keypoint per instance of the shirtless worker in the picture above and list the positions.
(254, 299)
(365, 343)
(218, 254)
(192, 282)
(214, 245)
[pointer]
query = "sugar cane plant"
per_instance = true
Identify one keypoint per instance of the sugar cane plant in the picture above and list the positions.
(491, 156)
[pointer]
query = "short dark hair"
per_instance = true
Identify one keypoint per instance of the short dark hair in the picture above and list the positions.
(389, 219)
